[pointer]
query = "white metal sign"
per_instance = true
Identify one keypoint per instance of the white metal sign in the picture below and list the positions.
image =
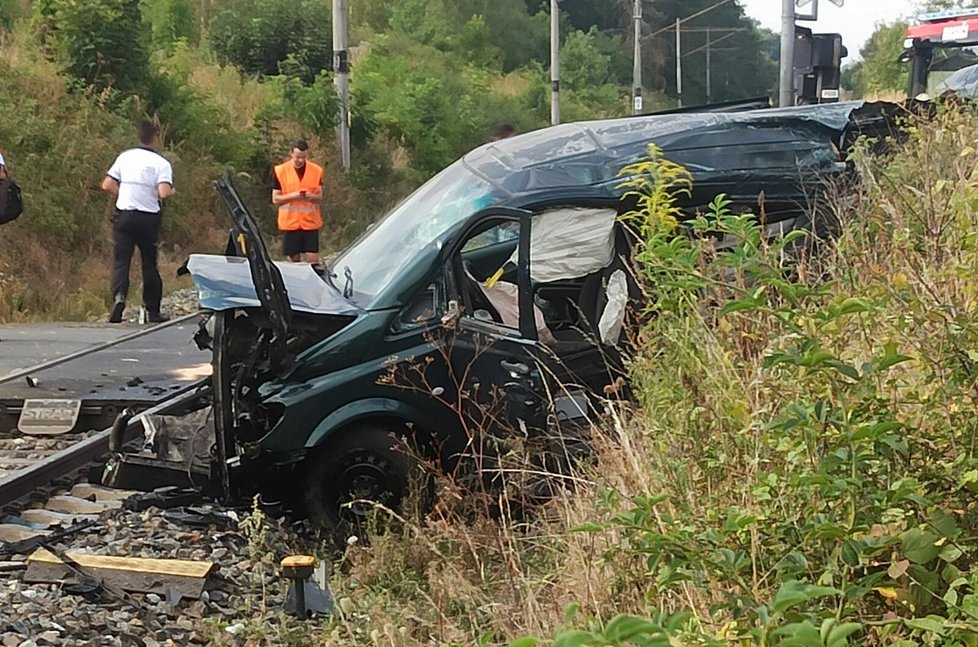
(812, 13)
(46, 417)
(956, 32)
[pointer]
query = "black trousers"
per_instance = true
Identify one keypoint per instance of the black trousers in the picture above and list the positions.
(132, 229)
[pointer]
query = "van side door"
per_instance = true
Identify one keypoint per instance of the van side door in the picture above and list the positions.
(491, 335)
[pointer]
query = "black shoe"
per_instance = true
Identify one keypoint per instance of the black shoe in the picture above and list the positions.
(156, 317)
(116, 316)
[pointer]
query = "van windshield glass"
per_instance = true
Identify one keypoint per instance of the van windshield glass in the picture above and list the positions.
(390, 245)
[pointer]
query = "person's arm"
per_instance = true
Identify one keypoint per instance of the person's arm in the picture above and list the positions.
(164, 186)
(110, 185)
(279, 198)
(315, 196)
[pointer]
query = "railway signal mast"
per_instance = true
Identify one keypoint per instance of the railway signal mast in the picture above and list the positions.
(789, 15)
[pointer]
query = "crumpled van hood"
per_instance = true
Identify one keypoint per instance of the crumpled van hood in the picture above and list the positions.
(225, 283)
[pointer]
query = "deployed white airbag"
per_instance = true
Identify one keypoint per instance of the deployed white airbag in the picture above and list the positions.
(504, 297)
(569, 243)
(613, 317)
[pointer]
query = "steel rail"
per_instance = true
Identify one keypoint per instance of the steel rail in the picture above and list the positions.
(63, 463)
(57, 361)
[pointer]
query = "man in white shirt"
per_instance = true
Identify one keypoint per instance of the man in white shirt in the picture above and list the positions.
(139, 178)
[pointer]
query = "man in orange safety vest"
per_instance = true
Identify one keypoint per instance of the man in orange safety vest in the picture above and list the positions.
(298, 192)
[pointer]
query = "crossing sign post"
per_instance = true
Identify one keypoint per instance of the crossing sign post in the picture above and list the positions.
(812, 12)
(789, 16)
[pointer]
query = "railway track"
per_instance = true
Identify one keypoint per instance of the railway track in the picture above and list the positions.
(32, 468)
(68, 460)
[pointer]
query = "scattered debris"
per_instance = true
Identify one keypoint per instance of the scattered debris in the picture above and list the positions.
(50, 518)
(175, 452)
(235, 629)
(199, 517)
(163, 498)
(28, 544)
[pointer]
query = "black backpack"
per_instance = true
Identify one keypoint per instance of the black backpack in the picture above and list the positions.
(11, 202)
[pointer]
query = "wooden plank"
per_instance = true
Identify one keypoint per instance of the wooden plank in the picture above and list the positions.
(131, 581)
(176, 567)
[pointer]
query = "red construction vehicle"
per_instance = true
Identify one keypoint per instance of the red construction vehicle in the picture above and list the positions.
(940, 45)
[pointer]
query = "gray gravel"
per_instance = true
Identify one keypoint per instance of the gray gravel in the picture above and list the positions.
(18, 451)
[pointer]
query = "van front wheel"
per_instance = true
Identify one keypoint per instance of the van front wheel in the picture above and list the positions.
(358, 474)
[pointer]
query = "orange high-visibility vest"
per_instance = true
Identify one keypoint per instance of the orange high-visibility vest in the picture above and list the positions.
(299, 214)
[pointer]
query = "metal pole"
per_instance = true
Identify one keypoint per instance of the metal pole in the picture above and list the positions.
(637, 62)
(341, 71)
(554, 63)
(708, 91)
(679, 62)
(787, 94)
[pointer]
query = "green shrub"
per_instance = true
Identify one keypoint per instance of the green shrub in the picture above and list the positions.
(262, 37)
(171, 21)
(99, 43)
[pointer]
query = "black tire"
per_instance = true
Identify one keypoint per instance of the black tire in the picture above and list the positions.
(365, 464)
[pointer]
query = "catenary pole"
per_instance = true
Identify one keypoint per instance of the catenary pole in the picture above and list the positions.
(341, 75)
(637, 61)
(787, 94)
(554, 63)
(679, 62)
(709, 91)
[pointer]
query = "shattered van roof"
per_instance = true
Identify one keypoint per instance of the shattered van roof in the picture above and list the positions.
(592, 152)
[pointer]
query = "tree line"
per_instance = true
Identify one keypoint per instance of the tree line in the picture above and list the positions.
(430, 77)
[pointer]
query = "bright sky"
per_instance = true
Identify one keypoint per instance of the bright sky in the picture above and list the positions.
(856, 20)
